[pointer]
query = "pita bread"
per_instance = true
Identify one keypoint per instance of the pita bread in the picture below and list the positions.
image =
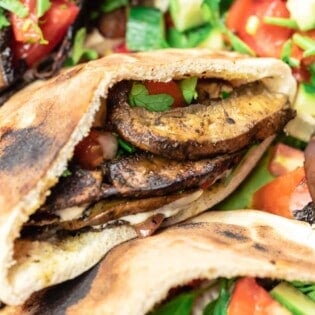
(39, 129)
(137, 275)
(218, 244)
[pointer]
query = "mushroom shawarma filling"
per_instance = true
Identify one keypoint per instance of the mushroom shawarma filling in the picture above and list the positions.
(158, 144)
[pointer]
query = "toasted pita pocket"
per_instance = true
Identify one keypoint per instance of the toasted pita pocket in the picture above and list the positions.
(137, 275)
(39, 128)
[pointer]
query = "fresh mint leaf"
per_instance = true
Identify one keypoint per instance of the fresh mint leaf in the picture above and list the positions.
(42, 7)
(111, 5)
(188, 87)
(15, 6)
(139, 96)
(3, 20)
(78, 50)
(180, 305)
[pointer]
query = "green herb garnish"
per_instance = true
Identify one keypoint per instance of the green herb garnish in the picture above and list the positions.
(304, 42)
(139, 96)
(220, 305)
(15, 6)
(238, 44)
(188, 87)
(78, 50)
(126, 146)
(66, 173)
(42, 7)
(111, 5)
(278, 21)
(286, 54)
(180, 305)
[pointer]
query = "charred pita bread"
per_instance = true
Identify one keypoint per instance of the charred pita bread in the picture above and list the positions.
(137, 275)
(39, 129)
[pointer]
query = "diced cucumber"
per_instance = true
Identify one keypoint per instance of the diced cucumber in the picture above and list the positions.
(187, 14)
(145, 29)
(303, 125)
(303, 12)
(214, 40)
(294, 300)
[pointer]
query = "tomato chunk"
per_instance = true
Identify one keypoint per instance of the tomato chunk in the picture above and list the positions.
(265, 39)
(284, 194)
(249, 298)
(95, 148)
(53, 26)
(171, 88)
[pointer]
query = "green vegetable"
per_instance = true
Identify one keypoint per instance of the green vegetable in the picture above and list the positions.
(188, 39)
(139, 96)
(145, 29)
(42, 7)
(294, 300)
(78, 50)
(128, 147)
(211, 10)
(305, 288)
(180, 305)
(66, 173)
(3, 20)
(14, 6)
(187, 14)
(188, 87)
(238, 44)
(220, 305)
(306, 43)
(286, 54)
(303, 12)
(278, 21)
(241, 198)
(214, 40)
(111, 5)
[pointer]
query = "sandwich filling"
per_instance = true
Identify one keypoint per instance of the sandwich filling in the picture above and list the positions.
(146, 154)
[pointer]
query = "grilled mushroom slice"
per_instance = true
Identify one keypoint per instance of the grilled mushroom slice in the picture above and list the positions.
(197, 131)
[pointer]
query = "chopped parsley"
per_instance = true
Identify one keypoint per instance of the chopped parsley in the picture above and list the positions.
(139, 96)
(78, 51)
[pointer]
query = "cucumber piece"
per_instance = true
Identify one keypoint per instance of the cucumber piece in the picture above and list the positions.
(303, 12)
(145, 29)
(214, 40)
(294, 300)
(187, 14)
(303, 125)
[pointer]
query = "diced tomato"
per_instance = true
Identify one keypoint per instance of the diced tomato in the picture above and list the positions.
(121, 48)
(26, 29)
(249, 298)
(53, 25)
(285, 159)
(95, 148)
(284, 194)
(267, 40)
(171, 88)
